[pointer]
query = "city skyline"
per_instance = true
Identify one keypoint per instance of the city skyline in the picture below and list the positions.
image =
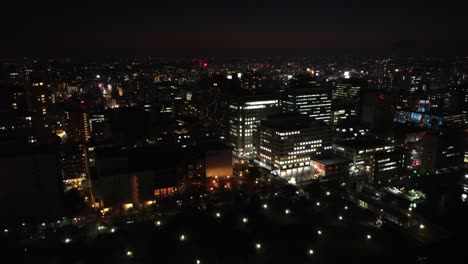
(234, 132)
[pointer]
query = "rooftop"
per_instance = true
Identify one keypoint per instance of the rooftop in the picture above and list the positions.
(330, 160)
(364, 142)
(291, 121)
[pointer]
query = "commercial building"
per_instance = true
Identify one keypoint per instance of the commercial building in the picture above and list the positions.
(314, 101)
(211, 159)
(285, 144)
(77, 126)
(377, 112)
(378, 159)
(245, 113)
(442, 150)
(349, 129)
(126, 179)
(330, 167)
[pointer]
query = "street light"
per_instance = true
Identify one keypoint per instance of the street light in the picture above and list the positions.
(287, 211)
(245, 220)
(310, 252)
(258, 246)
(421, 226)
(67, 240)
(265, 206)
(218, 215)
(369, 237)
(319, 232)
(340, 217)
(198, 261)
(182, 237)
(129, 253)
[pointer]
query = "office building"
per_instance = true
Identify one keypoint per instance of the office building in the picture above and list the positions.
(245, 113)
(379, 160)
(442, 150)
(285, 144)
(314, 101)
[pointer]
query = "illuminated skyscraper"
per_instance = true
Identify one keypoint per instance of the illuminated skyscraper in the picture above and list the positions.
(77, 127)
(314, 101)
(245, 113)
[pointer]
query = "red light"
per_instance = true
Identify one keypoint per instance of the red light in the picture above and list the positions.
(81, 102)
(205, 65)
(382, 96)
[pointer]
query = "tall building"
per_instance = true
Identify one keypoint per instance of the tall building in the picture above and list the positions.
(245, 113)
(349, 91)
(99, 127)
(314, 101)
(285, 144)
(342, 111)
(442, 150)
(77, 126)
(377, 112)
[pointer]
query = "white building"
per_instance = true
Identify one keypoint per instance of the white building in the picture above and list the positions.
(245, 113)
(285, 144)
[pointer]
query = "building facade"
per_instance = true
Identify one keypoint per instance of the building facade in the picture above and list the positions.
(285, 144)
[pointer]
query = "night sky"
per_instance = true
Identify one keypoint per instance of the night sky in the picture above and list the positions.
(140, 28)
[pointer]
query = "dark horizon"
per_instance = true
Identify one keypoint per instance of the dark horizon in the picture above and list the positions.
(211, 28)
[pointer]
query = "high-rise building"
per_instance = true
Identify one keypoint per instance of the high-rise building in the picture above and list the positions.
(285, 143)
(442, 150)
(245, 113)
(77, 126)
(349, 91)
(341, 112)
(314, 101)
(377, 112)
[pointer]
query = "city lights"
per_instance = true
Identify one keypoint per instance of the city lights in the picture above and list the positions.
(109, 157)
